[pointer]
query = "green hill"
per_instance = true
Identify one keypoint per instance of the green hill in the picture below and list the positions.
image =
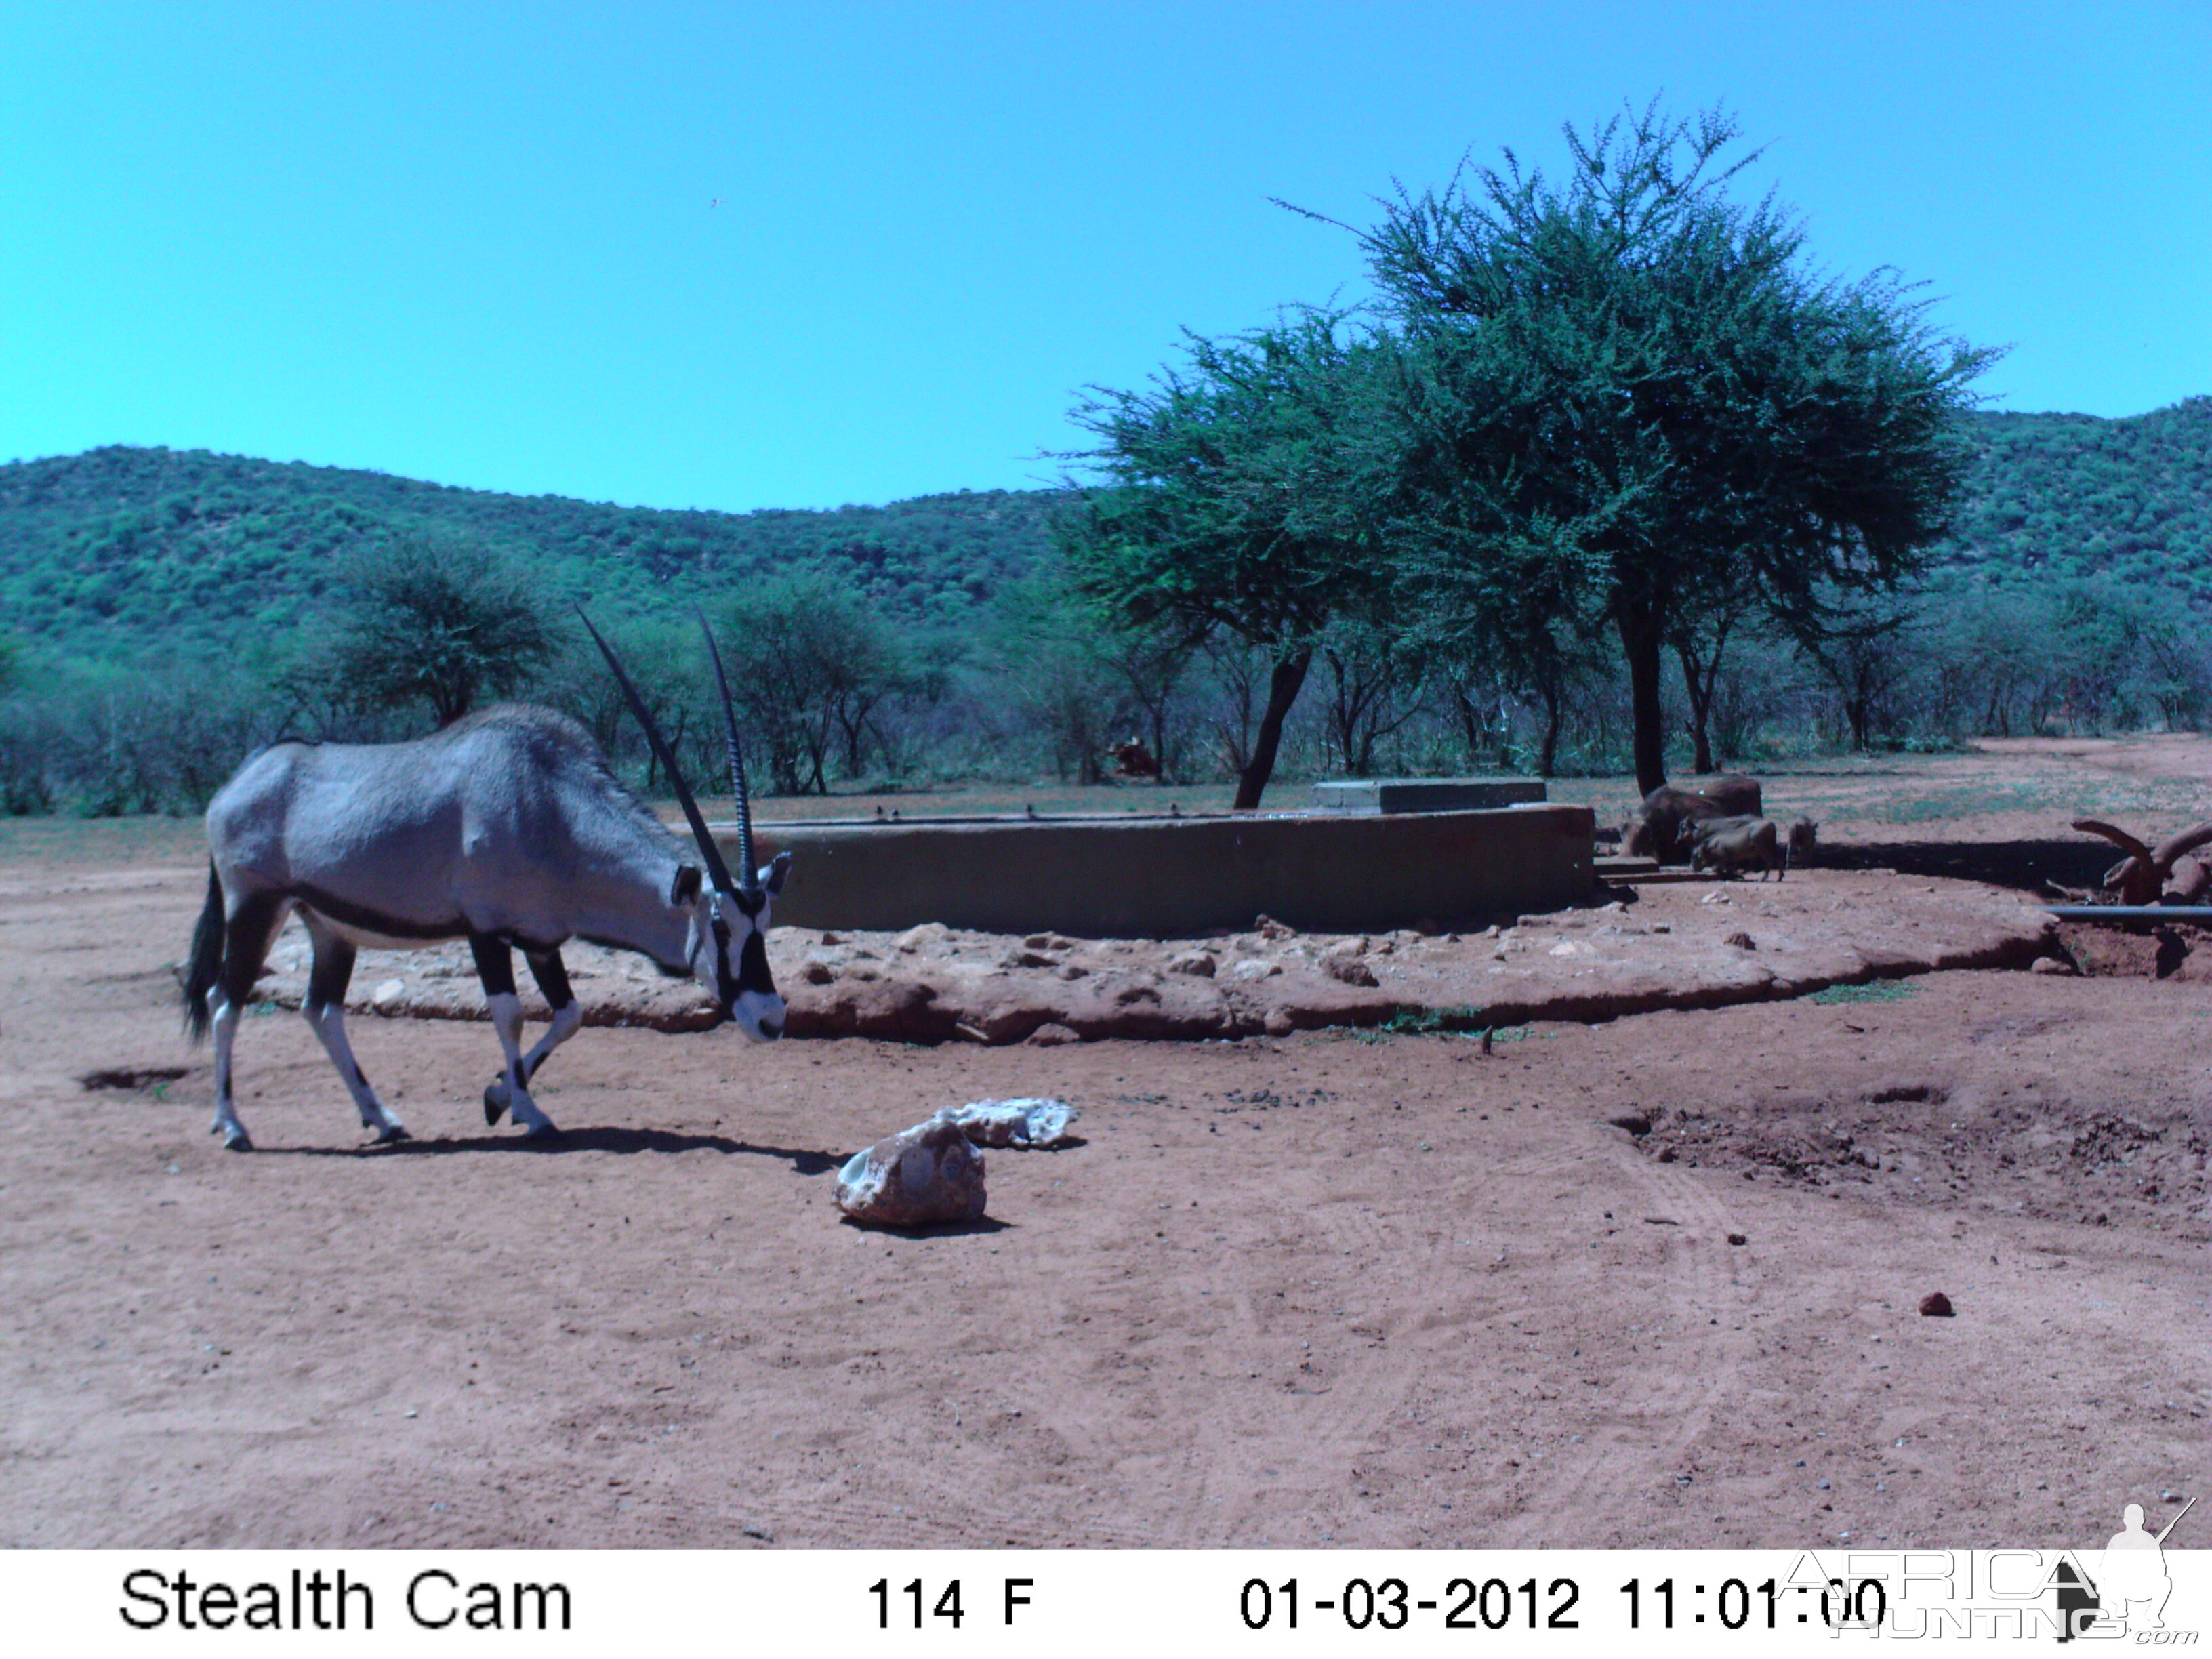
(111, 552)
(119, 550)
(2060, 495)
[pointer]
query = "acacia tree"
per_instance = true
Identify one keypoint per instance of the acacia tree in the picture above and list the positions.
(1050, 654)
(810, 662)
(1239, 502)
(431, 622)
(1633, 388)
(1378, 682)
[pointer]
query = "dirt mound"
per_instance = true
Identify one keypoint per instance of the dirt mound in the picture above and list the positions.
(2141, 950)
(2007, 1122)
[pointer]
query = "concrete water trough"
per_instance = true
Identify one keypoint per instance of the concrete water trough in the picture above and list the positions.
(1160, 877)
(1369, 795)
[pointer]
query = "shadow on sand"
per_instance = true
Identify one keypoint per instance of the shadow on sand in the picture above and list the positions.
(625, 1142)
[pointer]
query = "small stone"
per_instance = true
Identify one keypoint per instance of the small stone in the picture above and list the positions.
(929, 1173)
(1349, 969)
(2051, 965)
(922, 936)
(829, 937)
(1200, 964)
(1738, 1238)
(1052, 1035)
(387, 994)
(1936, 1305)
(1253, 969)
(817, 971)
(1742, 941)
(1271, 930)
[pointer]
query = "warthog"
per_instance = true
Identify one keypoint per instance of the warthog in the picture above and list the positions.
(1656, 829)
(1802, 834)
(1739, 846)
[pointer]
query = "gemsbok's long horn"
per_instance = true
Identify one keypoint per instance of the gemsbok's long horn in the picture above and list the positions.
(749, 868)
(717, 872)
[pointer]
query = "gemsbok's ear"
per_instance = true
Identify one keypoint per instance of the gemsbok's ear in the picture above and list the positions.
(685, 887)
(778, 868)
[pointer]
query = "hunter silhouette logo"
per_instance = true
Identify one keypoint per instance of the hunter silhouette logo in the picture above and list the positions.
(2131, 1584)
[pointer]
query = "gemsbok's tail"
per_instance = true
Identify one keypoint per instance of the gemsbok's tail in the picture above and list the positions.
(207, 959)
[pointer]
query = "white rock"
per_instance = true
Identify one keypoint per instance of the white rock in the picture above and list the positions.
(1028, 1121)
(925, 1173)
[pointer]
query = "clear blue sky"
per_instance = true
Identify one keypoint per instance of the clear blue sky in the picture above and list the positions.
(472, 243)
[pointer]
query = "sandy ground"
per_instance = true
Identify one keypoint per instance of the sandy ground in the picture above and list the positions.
(1649, 1280)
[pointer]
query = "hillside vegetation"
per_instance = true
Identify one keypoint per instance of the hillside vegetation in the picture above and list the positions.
(119, 551)
(2070, 495)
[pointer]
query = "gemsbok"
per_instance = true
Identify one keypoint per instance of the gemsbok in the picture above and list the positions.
(506, 828)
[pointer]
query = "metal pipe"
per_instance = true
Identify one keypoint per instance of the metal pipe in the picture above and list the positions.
(2200, 914)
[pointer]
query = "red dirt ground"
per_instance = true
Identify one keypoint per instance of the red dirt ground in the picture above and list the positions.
(1333, 1288)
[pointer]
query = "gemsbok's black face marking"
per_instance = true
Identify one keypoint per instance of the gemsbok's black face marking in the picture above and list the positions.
(752, 966)
(734, 965)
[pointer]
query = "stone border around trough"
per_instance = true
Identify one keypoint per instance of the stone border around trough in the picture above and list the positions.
(1676, 948)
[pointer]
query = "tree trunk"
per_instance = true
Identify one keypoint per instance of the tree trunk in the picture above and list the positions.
(1282, 687)
(1640, 642)
(1474, 724)
(1555, 712)
(1699, 685)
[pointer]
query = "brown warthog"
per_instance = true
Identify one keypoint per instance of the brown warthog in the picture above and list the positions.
(1656, 829)
(1743, 844)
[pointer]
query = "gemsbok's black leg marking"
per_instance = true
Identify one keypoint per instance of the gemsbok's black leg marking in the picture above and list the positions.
(511, 1093)
(247, 930)
(552, 977)
(325, 1012)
